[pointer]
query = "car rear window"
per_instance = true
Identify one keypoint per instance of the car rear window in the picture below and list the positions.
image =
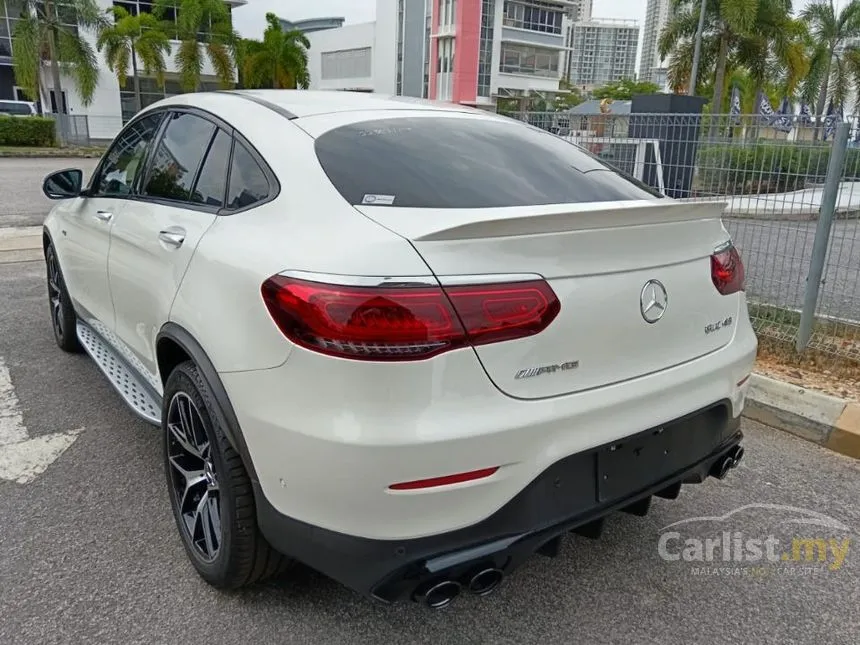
(450, 162)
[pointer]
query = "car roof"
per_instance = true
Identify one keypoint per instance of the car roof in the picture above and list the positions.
(303, 103)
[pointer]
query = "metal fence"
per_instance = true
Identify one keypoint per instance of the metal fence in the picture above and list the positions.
(790, 218)
(86, 129)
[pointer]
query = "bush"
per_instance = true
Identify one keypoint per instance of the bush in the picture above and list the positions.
(737, 169)
(26, 131)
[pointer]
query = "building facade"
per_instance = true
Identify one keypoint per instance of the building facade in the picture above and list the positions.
(603, 51)
(484, 50)
(652, 67)
(112, 105)
(466, 51)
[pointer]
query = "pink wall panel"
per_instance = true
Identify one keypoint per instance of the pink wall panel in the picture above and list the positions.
(468, 31)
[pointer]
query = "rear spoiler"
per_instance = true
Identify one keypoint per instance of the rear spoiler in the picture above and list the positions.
(420, 224)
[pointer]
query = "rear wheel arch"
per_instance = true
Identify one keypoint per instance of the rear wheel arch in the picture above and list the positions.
(173, 346)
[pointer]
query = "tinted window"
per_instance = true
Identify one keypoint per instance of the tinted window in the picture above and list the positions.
(178, 156)
(450, 162)
(212, 182)
(248, 183)
(18, 109)
(124, 160)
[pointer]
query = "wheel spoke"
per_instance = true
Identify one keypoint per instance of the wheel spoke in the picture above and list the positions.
(193, 476)
(183, 440)
(215, 514)
(195, 430)
(210, 536)
(192, 479)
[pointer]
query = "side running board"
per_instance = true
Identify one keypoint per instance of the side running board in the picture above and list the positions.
(140, 398)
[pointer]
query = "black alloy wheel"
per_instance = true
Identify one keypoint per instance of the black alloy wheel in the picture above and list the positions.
(63, 318)
(211, 494)
(194, 477)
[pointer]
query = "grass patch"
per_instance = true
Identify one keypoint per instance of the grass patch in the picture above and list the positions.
(834, 346)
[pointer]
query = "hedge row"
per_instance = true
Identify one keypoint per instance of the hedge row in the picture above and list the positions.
(767, 168)
(27, 131)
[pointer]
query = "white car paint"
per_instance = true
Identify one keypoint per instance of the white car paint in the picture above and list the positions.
(328, 436)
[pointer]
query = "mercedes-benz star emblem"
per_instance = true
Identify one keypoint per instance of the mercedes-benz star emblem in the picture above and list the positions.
(653, 301)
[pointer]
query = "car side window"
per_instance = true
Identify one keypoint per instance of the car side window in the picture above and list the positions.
(124, 161)
(248, 182)
(211, 185)
(178, 156)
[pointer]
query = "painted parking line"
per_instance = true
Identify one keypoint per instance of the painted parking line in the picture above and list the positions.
(22, 459)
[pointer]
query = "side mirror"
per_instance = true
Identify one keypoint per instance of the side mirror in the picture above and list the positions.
(63, 184)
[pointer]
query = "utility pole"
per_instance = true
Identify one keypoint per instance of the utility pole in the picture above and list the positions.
(697, 52)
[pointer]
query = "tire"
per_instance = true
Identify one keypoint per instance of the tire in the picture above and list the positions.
(241, 555)
(63, 317)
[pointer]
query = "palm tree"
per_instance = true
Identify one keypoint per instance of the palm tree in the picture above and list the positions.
(203, 28)
(756, 34)
(280, 61)
(835, 60)
(131, 38)
(51, 31)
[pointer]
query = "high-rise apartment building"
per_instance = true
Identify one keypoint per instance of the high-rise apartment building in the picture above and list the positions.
(602, 51)
(581, 10)
(652, 67)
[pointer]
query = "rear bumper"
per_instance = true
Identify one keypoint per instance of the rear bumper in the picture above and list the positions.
(574, 493)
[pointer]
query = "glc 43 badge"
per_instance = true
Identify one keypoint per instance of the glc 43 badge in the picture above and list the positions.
(717, 326)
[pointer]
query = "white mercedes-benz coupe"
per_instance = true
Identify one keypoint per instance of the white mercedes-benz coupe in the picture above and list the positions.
(408, 344)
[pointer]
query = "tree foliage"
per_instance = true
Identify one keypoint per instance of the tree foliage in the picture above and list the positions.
(834, 57)
(130, 39)
(758, 36)
(204, 29)
(625, 89)
(279, 61)
(44, 32)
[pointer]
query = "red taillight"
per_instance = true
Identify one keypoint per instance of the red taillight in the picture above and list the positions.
(727, 271)
(445, 480)
(405, 323)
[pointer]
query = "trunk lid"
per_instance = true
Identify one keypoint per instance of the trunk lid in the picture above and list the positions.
(606, 262)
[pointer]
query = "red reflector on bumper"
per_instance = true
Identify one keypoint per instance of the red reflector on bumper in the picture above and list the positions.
(444, 481)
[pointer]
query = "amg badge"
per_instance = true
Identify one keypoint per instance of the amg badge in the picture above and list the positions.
(546, 369)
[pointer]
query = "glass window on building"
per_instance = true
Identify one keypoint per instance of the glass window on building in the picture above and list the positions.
(523, 59)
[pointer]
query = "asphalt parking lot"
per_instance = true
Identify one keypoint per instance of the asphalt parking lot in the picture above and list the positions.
(89, 551)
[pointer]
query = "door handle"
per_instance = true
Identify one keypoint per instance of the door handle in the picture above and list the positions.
(172, 238)
(104, 216)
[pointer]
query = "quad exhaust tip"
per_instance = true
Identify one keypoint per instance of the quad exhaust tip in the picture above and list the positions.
(485, 582)
(442, 594)
(721, 468)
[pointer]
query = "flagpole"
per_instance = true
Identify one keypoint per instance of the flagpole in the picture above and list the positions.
(697, 51)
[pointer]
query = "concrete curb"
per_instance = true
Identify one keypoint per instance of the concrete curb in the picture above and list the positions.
(826, 420)
(69, 153)
(20, 244)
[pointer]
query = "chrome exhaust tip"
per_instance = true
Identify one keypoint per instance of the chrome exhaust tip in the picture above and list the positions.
(441, 594)
(485, 582)
(722, 467)
(737, 456)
